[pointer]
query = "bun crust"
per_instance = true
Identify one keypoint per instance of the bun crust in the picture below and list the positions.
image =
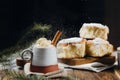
(71, 48)
(94, 30)
(98, 48)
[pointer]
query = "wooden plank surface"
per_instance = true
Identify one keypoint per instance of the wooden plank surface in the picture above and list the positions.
(89, 75)
(110, 74)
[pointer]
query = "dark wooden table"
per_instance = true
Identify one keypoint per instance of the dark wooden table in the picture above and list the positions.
(109, 74)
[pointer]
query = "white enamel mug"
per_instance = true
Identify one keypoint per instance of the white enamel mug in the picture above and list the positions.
(42, 56)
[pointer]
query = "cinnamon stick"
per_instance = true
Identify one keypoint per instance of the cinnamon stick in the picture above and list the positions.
(56, 37)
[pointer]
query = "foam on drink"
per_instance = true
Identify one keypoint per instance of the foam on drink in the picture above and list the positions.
(43, 43)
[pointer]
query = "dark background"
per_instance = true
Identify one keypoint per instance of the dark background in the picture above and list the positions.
(17, 15)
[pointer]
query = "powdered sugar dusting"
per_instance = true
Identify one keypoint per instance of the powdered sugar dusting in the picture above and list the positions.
(94, 25)
(71, 40)
(99, 41)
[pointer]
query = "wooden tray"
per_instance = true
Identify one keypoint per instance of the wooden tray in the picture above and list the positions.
(109, 60)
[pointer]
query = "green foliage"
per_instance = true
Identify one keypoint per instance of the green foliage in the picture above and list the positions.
(13, 75)
(33, 33)
(41, 27)
(29, 36)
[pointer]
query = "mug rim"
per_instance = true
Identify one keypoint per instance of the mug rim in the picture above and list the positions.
(44, 47)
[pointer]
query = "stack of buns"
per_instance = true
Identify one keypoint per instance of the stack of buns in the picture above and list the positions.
(92, 42)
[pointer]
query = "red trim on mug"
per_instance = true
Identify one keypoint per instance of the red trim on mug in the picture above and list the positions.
(44, 69)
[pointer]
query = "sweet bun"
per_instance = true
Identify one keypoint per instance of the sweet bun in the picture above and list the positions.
(98, 47)
(94, 30)
(71, 48)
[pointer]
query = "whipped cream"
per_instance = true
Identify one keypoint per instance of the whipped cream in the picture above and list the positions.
(43, 43)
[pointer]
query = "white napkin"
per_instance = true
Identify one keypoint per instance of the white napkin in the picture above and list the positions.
(95, 66)
(49, 75)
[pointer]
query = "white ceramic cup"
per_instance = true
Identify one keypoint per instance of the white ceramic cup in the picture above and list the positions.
(42, 56)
